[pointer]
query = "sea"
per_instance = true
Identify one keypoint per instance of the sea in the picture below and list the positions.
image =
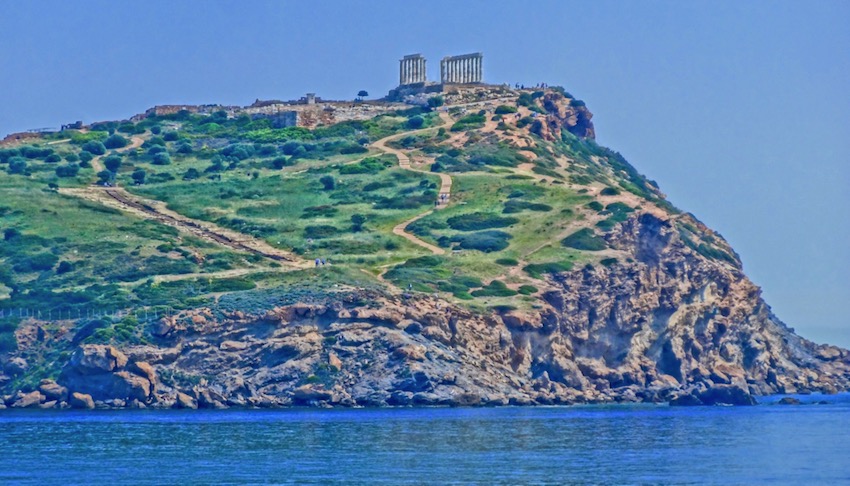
(587, 444)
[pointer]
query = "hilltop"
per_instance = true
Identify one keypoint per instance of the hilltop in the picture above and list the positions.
(481, 248)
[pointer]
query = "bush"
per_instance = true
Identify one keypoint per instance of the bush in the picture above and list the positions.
(161, 159)
(486, 241)
(435, 101)
(85, 156)
(112, 163)
(609, 191)
(496, 288)
(94, 147)
(319, 212)
(328, 182)
(64, 267)
(537, 270)
(52, 158)
(357, 222)
(415, 122)
(156, 129)
(37, 262)
(115, 142)
(170, 136)
(320, 231)
(515, 206)
(369, 165)
(508, 262)
(191, 174)
(505, 110)
(17, 165)
(69, 170)
(584, 239)
(595, 205)
(479, 221)
(528, 289)
(138, 176)
(280, 162)
(607, 262)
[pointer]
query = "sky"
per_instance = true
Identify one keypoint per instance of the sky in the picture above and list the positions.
(739, 110)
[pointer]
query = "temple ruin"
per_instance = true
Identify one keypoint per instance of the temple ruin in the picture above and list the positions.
(463, 69)
(411, 70)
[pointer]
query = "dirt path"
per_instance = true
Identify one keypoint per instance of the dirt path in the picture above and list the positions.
(119, 198)
(404, 162)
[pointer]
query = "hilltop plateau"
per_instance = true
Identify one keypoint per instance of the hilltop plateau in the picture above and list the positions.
(479, 249)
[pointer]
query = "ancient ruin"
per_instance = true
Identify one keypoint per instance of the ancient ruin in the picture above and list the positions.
(411, 70)
(463, 69)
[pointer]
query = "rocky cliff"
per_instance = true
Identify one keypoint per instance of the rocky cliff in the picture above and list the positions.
(665, 324)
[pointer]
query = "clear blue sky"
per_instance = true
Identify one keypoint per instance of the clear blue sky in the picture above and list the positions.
(740, 110)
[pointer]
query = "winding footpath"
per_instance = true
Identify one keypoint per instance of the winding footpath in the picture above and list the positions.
(404, 162)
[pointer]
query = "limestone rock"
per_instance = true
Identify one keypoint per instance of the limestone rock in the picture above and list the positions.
(53, 391)
(81, 400)
(27, 400)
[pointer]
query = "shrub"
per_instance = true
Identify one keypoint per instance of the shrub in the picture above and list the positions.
(138, 176)
(607, 262)
(369, 165)
(357, 222)
(37, 262)
(595, 205)
(527, 290)
(94, 147)
(508, 262)
(170, 136)
(609, 191)
(537, 270)
(17, 165)
(514, 206)
(496, 288)
(69, 170)
(319, 211)
(486, 241)
(115, 142)
(479, 221)
(156, 129)
(320, 231)
(85, 156)
(72, 157)
(328, 182)
(415, 122)
(505, 109)
(112, 163)
(161, 158)
(52, 158)
(64, 267)
(584, 239)
(435, 101)
(191, 174)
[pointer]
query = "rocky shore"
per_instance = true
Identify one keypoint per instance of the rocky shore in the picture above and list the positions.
(665, 325)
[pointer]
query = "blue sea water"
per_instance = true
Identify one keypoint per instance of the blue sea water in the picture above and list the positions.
(619, 444)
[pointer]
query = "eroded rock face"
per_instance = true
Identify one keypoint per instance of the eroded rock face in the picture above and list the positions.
(664, 323)
(104, 373)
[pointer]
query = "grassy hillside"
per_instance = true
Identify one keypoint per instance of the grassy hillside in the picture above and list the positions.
(531, 195)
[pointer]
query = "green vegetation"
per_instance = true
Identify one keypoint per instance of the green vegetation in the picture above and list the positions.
(326, 193)
(584, 239)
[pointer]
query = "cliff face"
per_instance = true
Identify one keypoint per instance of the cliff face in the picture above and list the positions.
(668, 323)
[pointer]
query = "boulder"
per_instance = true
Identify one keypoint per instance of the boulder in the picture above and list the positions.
(15, 366)
(81, 400)
(27, 400)
(686, 400)
(334, 362)
(93, 359)
(53, 391)
(310, 393)
(185, 401)
(788, 401)
(727, 395)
